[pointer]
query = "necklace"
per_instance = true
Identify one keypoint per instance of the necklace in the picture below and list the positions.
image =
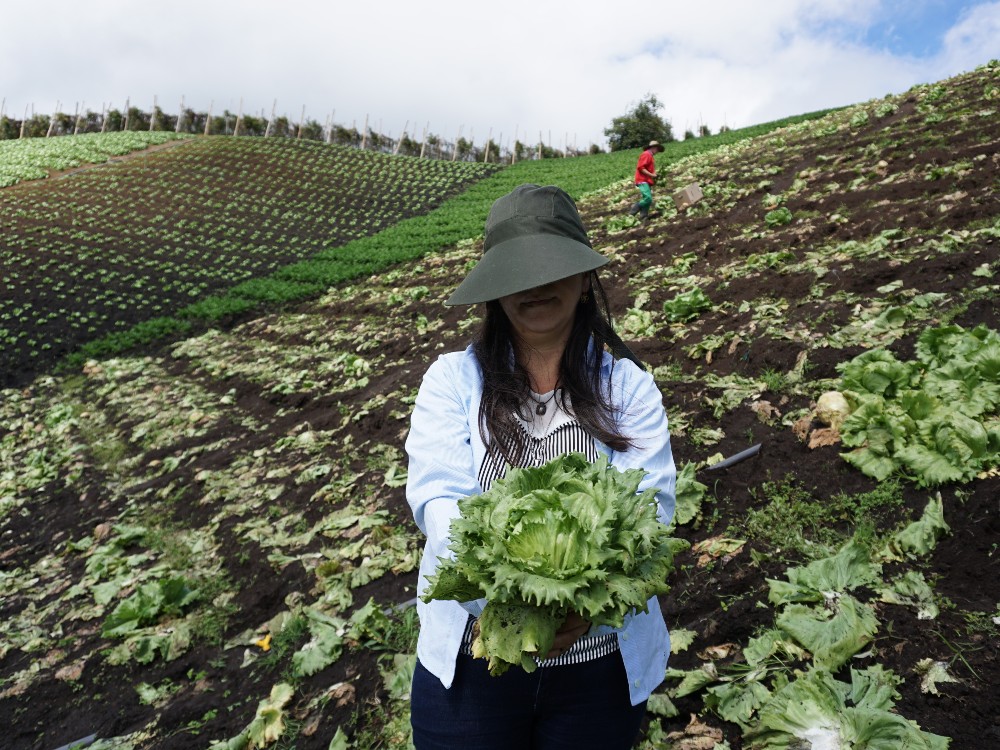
(543, 405)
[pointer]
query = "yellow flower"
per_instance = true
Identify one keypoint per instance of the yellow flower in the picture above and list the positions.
(264, 643)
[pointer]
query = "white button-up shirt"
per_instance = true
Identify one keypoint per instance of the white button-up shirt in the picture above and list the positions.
(445, 453)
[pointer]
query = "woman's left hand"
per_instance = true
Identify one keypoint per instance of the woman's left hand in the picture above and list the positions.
(573, 627)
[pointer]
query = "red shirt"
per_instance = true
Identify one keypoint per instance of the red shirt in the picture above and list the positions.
(645, 162)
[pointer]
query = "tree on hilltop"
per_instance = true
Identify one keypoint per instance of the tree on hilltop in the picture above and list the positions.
(640, 125)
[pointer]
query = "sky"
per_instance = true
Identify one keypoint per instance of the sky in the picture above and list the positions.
(559, 71)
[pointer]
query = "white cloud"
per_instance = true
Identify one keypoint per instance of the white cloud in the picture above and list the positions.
(974, 40)
(533, 65)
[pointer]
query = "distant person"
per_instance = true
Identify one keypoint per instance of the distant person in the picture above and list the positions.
(645, 178)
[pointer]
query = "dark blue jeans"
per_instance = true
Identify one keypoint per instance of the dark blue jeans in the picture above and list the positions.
(572, 707)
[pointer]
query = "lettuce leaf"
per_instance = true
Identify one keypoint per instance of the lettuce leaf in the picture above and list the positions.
(324, 647)
(737, 701)
(569, 535)
(920, 537)
(936, 346)
(772, 643)
(851, 567)
(686, 306)
(689, 493)
(816, 711)
(876, 373)
(692, 680)
(934, 419)
(913, 590)
(834, 632)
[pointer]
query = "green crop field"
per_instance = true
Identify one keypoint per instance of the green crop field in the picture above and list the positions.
(35, 158)
(144, 248)
(137, 240)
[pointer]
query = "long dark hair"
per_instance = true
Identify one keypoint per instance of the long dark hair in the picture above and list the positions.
(506, 385)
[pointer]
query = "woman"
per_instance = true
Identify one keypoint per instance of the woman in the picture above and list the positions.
(536, 383)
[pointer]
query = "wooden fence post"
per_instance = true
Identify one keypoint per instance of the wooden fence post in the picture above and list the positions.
(364, 135)
(127, 108)
(52, 120)
(104, 117)
(152, 115)
(208, 117)
(402, 135)
(302, 119)
(24, 121)
(180, 116)
(76, 119)
(423, 143)
(239, 118)
(270, 122)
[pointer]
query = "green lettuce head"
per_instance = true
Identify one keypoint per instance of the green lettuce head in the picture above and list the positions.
(569, 535)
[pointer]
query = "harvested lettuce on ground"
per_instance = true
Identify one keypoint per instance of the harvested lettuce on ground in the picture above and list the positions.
(569, 535)
(836, 625)
(935, 418)
(919, 538)
(816, 711)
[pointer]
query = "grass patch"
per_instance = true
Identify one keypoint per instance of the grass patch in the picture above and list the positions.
(793, 524)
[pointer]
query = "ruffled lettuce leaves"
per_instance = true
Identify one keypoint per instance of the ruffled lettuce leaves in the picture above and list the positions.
(850, 567)
(919, 538)
(934, 419)
(783, 693)
(569, 535)
(833, 632)
(819, 712)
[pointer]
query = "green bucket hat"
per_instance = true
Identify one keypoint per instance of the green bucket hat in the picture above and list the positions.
(534, 236)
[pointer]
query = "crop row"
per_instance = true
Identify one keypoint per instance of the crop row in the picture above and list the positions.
(135, 240)
(33, 158)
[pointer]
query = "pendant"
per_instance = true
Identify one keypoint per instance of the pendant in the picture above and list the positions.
(540, 409)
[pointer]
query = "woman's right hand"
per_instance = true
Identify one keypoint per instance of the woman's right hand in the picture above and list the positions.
(572, 629)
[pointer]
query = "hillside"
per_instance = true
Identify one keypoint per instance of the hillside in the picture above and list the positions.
(217, 526)
(101, 249)
(102, 259)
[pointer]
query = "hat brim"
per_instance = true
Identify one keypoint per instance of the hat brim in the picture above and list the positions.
(523, 263)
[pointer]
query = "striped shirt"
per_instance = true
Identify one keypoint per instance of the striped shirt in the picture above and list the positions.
(549, 435)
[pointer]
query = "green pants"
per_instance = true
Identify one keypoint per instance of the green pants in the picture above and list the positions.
(647, 195)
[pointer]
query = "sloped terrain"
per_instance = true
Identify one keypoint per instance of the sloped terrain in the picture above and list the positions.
(99, 250)
(199, 540)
